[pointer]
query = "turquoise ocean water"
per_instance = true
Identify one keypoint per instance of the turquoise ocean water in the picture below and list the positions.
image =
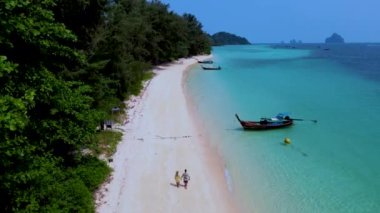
(332, 165)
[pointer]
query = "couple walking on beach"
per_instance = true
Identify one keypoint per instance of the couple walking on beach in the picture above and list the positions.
(185, 177)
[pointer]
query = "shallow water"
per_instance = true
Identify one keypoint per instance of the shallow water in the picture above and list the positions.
(331, 165)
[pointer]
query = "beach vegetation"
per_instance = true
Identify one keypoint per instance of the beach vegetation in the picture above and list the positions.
(106, 142)
(64, 64)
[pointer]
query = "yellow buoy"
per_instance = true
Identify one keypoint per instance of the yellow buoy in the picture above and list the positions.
(287, 141)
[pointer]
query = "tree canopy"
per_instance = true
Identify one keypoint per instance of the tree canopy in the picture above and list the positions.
(63, 65)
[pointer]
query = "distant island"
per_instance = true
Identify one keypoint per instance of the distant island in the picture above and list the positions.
(334, 38)
(224, 38)
(293, 41)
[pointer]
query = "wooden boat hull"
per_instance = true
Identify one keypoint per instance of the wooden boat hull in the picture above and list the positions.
(211, 68)
(206, 62)
(260, 125)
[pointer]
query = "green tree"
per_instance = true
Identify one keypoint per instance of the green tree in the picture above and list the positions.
(82, 17)
(198, 40)
(45, 121)
(168, 34)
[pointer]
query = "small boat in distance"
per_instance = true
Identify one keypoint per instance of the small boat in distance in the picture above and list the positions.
(211, 68)
(281, 120)
(205, 61)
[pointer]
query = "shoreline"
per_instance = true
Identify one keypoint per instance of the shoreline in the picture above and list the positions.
(216, 161)
(161, 137)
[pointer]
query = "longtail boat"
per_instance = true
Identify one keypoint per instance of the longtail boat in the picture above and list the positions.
(279, 121)
(205, 61)
(211, 68)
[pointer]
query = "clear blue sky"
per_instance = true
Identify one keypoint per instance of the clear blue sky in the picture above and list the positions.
(262, 21)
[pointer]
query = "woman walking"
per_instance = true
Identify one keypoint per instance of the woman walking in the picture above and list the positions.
(177, 178)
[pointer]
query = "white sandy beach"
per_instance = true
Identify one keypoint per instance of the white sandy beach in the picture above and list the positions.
(160, 137)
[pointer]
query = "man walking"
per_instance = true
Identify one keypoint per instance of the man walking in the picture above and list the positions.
(185, 178)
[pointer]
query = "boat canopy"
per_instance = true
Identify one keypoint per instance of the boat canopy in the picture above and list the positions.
(282, 116)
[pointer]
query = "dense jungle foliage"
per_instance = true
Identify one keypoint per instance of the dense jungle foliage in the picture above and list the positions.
(63, 65)
(224, 38)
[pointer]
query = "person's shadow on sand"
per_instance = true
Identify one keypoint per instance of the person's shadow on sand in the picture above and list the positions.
(175, 185)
